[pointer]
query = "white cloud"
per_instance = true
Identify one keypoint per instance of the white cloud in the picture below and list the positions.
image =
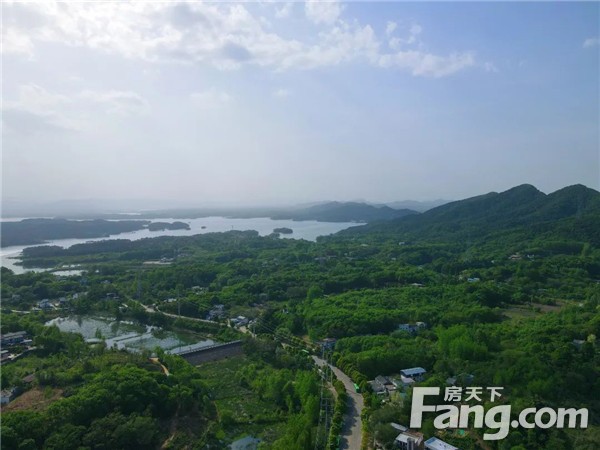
(117, 102)
(343, 43)
(281, 93)
(395, 43)
(591, 42)
(415, 30)
(490, 67)
(326, 12)
(211, 99)
(34, 97)
(36, 108)
(16, 43)
(224, 36)
(389, 28)
(426, 64)
(284, 11)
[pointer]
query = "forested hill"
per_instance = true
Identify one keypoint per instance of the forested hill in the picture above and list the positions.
(344, 212)
(37, 231)
(573, 212)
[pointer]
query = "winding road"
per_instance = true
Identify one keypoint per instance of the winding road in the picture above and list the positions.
(352, 429)
(155, 310)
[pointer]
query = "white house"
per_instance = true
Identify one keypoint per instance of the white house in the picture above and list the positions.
(408, 440)
(437, 444)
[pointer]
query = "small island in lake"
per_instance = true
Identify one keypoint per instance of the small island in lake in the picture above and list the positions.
(162, 226)
(283, 230)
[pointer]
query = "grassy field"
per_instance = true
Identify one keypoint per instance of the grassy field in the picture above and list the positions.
(34, 400)
(532, 310)
(241, 411)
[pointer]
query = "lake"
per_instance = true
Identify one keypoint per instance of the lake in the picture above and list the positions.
(306, 229)
(127, 335)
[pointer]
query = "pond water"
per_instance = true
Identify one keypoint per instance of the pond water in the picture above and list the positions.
(127, 335)
(67, 273)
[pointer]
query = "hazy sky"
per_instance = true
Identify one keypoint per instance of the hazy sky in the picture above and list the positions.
(268, 102)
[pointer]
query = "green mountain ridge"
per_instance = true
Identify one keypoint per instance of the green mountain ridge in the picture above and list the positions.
(574, 211)
(345, 212)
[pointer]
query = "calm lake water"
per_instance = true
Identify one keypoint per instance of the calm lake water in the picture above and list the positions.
(126, 335)
(307, 229)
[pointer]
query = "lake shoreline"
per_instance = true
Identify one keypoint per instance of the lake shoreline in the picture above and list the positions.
(308, 229)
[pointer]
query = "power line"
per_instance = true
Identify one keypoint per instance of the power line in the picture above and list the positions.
(325, 413)
(325, 405)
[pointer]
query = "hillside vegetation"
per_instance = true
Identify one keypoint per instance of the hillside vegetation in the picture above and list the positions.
(506, 285)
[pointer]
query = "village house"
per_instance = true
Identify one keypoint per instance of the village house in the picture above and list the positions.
(44, 304)
(8, 395)
(216, 312)
(377, 388)
(246, 443)
(404, 382)
(18, 337)
(382, 385)
(409, 440)
(437, 444)
(5, 356)
(412, 328)
(238, 321)
(416, 373)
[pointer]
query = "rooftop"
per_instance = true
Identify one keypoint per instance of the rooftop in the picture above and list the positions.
(15, 334)
(413, 371)
(437, 444)
(246, 443)
(406, 437)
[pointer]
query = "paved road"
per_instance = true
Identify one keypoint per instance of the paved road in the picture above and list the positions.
(151, 310)
(352, 429)
(195, 319)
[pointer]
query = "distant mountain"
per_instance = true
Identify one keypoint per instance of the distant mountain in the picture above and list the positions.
(80, 208)
(573, 211)
(417, 206)
(344, 212)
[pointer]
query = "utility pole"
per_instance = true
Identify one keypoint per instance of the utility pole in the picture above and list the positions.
(139, 286)
(324, 403)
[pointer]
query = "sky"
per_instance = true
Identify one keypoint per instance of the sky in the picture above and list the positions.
(262, 103)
